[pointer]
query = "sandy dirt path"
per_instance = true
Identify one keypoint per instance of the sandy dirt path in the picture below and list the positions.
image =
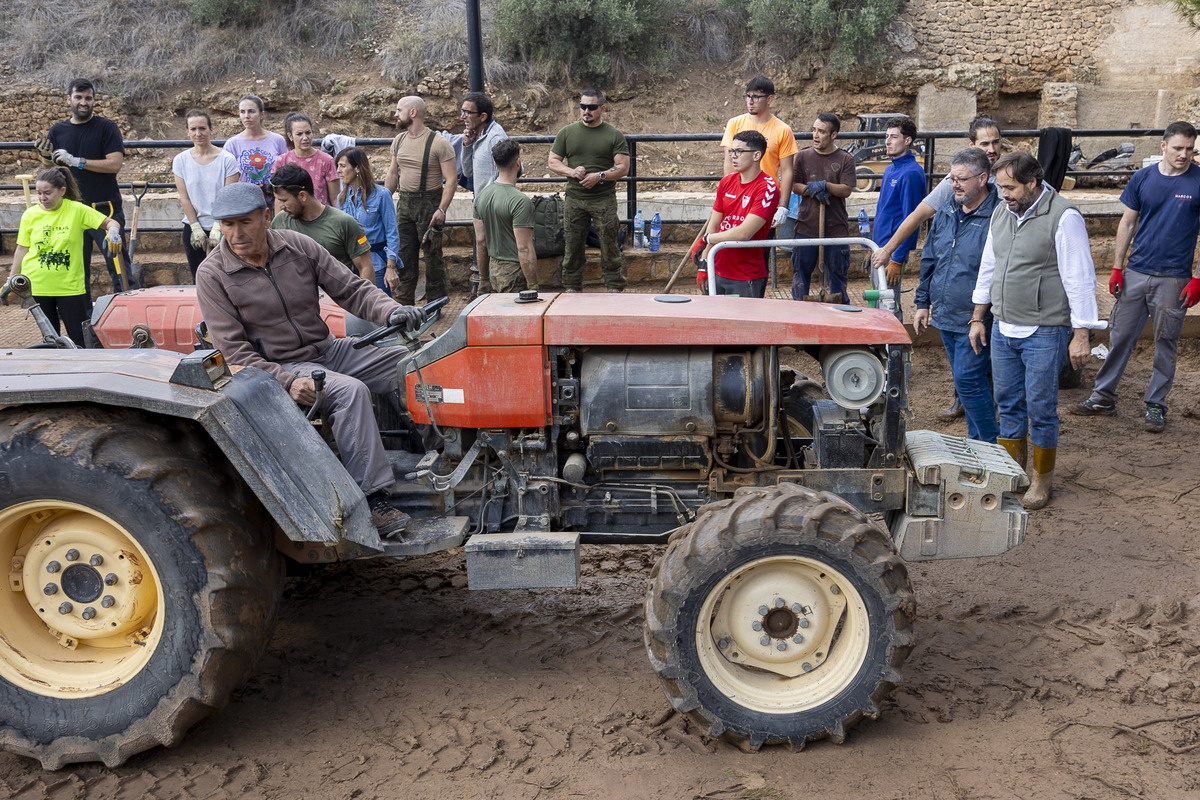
(1067, 668)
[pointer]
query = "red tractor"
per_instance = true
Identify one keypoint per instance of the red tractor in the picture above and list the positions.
(149, 498)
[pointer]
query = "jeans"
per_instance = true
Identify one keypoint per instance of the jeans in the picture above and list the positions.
(1025, 378)
(1153, 297)
(972, 383)
(804, 261)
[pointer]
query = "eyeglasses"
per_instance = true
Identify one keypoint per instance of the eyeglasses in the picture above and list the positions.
(589, 106)
(755, 97)
(737, 153)
(959, 181)
(465, 113)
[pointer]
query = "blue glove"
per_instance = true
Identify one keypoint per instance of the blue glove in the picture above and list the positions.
(823, 197)
(815, 188)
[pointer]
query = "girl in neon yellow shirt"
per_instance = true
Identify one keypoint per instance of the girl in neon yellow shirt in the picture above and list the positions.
(50, 249)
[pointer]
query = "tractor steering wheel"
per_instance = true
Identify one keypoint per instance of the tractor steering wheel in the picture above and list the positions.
(432, 315)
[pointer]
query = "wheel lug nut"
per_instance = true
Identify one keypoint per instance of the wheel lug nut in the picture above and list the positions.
(89, 613)
(781, 646)
(797, 608)
(72, 555)
(66, 608)
(723, 644)
(834, 590)
(96, 560)
(765, 641)
(50, 588)
(53, 567)
(110, 579)
(108, 601)
(763, 610)
(798, 639)
(780, 602)
(756, 625)
(807, 667)
(804, 623)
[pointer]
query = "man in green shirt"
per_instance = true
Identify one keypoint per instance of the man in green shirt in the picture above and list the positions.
(506, 215)
(336, 231)
(592, 155)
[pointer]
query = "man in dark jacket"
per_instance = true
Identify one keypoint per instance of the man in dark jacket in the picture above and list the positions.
(949, 267)
(258, 290)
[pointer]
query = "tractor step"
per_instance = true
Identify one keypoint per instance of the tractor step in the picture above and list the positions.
(523, 560)
(429, 535)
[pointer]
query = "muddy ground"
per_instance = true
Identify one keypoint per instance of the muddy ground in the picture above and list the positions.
(1067, 668)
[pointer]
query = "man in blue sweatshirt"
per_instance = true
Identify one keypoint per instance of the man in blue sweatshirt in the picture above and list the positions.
(902, 188)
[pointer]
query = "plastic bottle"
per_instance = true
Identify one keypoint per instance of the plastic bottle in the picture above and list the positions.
(864, 225)
(639, 231)
(655, 232)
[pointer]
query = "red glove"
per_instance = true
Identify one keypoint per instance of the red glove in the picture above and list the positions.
(1116, 283)
(702, 279)
(697, 250)
(1191, 293)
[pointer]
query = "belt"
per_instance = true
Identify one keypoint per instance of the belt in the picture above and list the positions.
(381, 247)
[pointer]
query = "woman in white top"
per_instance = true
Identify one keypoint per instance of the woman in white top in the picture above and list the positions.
(255, 148)
(199, 173)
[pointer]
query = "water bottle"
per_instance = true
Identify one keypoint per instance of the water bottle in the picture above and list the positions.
(864, 226)
(639, 231)
(655, 232)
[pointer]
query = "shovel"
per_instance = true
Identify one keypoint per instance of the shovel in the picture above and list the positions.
(820, 275)
(135, 272)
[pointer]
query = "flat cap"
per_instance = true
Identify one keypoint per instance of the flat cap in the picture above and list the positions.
(237, 200)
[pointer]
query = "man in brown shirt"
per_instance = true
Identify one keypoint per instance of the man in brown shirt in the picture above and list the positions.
(423, 169)
(258, 292)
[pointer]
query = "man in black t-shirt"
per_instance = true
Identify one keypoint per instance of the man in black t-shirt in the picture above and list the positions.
(93, 149)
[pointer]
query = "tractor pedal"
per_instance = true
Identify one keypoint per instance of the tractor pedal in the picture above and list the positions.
(425, 535)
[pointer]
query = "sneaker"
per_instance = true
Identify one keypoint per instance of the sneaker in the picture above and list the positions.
(1093, 407)
(1156, 418)
(390, 522)
(955, 411)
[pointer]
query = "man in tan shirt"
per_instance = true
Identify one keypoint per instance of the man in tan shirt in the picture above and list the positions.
(423, 169)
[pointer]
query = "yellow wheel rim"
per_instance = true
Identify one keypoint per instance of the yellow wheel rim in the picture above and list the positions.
(783, 634)
(80, 611)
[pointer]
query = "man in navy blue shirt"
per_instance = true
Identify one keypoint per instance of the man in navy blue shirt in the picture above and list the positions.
(949, 269)
(901, 189)
(1163, 207)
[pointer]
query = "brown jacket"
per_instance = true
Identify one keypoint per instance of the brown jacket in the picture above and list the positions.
(262, 317)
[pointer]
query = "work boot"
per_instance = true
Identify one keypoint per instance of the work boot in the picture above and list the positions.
(1038, 494)
(1156, 418)
(1017, 449)
(390, 522)
(953, 412)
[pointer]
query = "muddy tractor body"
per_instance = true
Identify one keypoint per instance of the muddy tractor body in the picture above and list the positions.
(148, 499)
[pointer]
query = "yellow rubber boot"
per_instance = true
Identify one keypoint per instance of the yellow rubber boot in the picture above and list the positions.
(1017, 449)
(1043, 476)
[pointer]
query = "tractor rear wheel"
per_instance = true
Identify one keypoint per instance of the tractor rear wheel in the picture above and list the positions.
(781, 616)
(143, 582)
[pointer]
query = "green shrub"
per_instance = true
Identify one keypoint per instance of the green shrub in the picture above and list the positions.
(851, 31)
(591, 39)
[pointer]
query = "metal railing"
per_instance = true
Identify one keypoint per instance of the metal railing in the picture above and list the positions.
(633, 180)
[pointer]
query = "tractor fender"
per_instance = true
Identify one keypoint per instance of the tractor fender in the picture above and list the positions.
(247, 415)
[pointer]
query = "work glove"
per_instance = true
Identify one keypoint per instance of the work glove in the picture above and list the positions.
(697, 252)
(814, 188)
(199, 237)
(780, 216)
(215, 236)
(1191, 293)
(823, 197)
(113, 241)
(894, 269)
(44, 149)
(61, 156)
(1116, 282)
(410, 317)
(702, 279)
